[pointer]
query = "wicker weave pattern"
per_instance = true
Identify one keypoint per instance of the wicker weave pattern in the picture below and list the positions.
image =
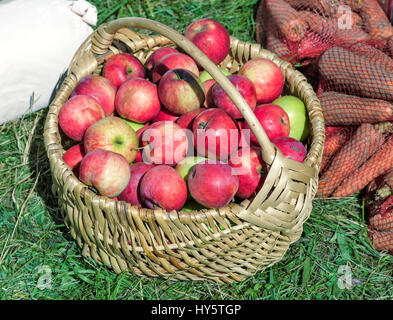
(221, 245)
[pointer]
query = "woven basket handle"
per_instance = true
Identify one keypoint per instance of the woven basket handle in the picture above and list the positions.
(268, 151)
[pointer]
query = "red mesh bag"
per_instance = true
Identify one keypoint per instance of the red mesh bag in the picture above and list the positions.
(379, 205)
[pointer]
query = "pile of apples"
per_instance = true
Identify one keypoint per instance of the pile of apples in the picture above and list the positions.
(164, 134)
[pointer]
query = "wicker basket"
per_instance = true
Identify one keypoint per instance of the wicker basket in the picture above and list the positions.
(222, 245)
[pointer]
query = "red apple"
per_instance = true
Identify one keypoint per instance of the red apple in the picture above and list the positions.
(100, 89)
(210, 37)
(165, 115)
(246, 89)
(216, 134)
(107, 171)
(131, 193)
(174, 61)
(267, 78)
(246, 163)
(163, 187)
(113, 134)
(78, 114)
(273, 119)
(122, 66)
(181, 91)
(291, 148)
(244, 135)
(186, 120)
(209, 102)
(164, 143)
(137, 100)
(157, 56)
(212, 185)
(73, 157)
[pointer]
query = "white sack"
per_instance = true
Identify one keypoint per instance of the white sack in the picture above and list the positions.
(38, 39)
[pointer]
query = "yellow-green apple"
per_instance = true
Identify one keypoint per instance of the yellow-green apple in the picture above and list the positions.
(137, 100)
(157, 56)
(165, 115)
(186, 120)
(212, 184)
(162, 187)
(173, 61)
(185, 166)
(211, 37)
(274, 121)
(73, 157)
(267, 78)
(107, 171)
(122, 66)
(204, 75)
(291, 148)
(297, 114)
(164, 143)
(131, 193)
(135, 125)
(100, 89)
(113, 134)
(246, 163)
(245, 88)
(78, 114)
(209, 102)
(181, 91)
(216, 134)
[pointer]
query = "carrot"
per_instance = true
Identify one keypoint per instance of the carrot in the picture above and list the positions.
(376, 22)
(274, 44)
(389, 46)
(378, 164)
(287, 19)
(364, 142)
(326, 27)
(315, 5)
(343, 71)
(346, 110)
(336, 137)
(373, 55)
(312, 46)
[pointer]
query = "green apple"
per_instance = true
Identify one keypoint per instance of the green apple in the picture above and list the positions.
(297, 114)
(185, 166)
(192, 205)
(204, 75)
(134, 125)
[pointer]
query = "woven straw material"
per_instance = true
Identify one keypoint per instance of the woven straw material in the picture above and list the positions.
(221, 245)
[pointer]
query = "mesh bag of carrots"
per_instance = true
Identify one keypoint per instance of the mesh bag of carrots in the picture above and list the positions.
(345, 49)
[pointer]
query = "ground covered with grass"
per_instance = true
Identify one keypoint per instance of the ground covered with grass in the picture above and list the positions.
(38, 260)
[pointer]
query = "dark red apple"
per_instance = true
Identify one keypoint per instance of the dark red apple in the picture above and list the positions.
(137, 100)
(186, 120)
(181, 91)
(174, 61)
(78, 114)
(273, 119)
(216, 134)
(164, 143)
(107, 171)
(122, 66)
(73, 157)
(100, 89)
(131, 193)
(211, 37)
(244, 135)
(291, 148)
(162, 187)
(212, 184)
(246, 163)
(157, 56)
(267, 78)
(209, 102)
(246, 89)
(165, 115)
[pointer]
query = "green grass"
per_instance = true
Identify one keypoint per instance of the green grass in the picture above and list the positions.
(34, 241)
